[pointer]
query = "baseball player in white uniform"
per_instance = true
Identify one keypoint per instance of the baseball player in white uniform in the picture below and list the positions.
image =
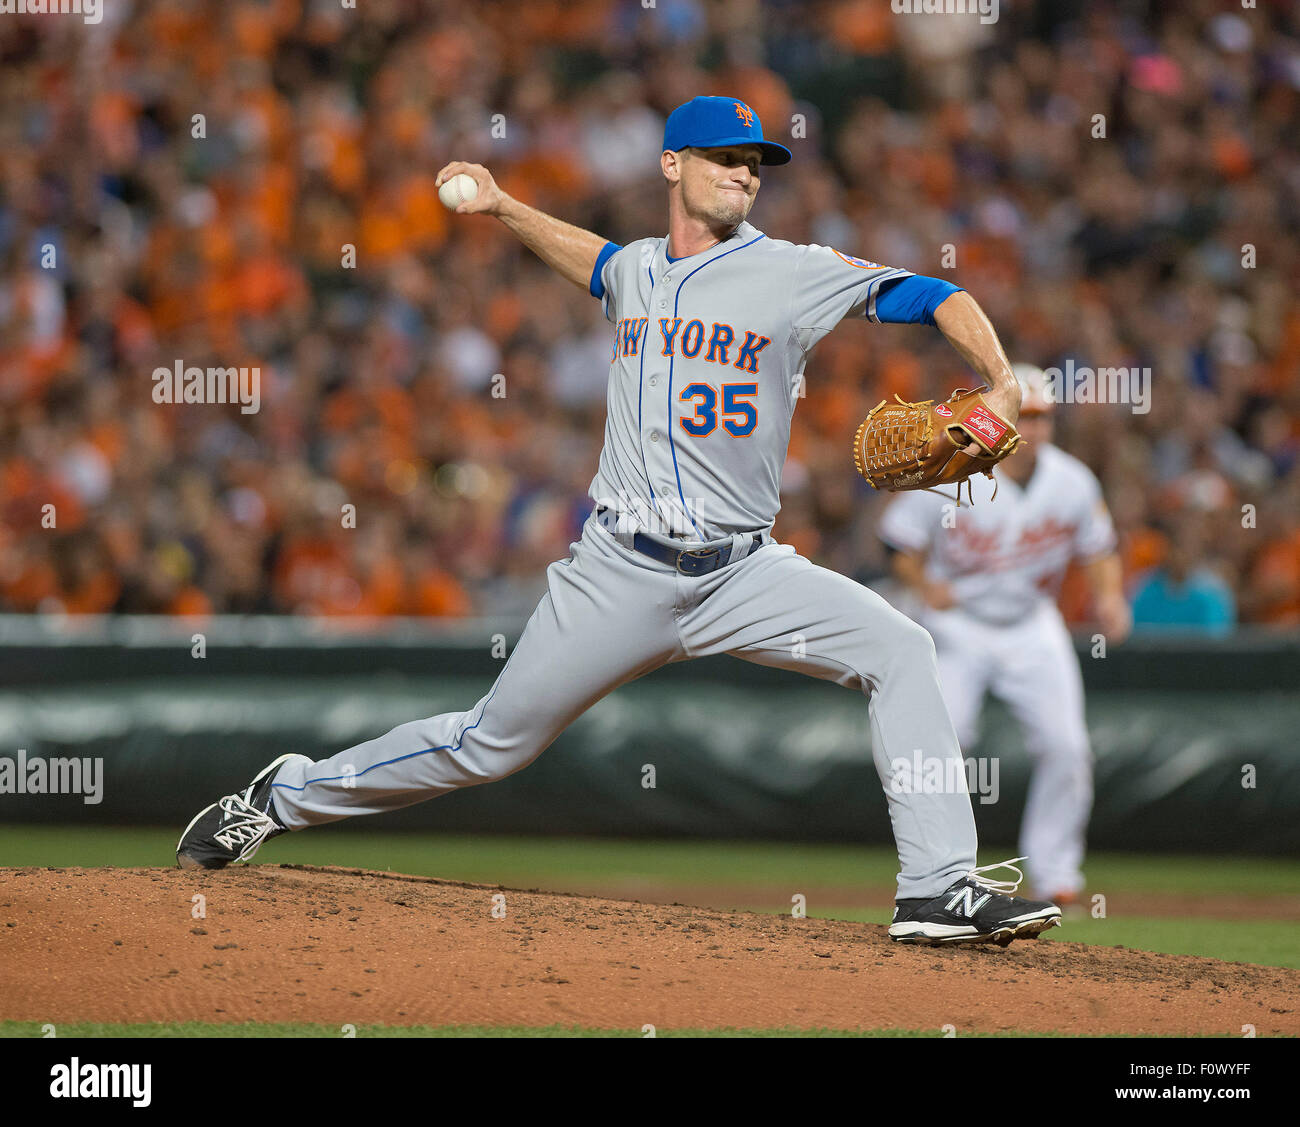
(985, 577)
(712, 328)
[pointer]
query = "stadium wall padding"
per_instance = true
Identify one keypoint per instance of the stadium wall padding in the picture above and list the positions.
(737, 750)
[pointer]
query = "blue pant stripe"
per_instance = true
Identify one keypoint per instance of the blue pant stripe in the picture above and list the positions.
(388, 762)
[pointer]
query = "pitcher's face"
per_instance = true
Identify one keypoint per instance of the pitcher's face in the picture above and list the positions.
(719, 185)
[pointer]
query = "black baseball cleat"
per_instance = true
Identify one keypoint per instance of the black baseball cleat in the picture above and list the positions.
(234, 828)
(974, 910)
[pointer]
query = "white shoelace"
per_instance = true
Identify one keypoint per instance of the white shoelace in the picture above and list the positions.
(1005, 887)
(247, 830)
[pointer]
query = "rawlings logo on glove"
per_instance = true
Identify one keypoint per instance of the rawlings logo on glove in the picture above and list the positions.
(920, 445)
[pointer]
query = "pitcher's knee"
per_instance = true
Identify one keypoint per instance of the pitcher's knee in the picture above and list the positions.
(907, 644)
(498, 763)
(894, 647)
(488, 756)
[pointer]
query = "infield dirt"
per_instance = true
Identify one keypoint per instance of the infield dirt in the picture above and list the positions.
(327, 945)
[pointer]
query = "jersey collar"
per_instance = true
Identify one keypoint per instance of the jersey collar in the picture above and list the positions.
(742, 234)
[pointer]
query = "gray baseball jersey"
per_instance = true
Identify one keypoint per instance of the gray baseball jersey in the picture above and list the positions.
(708, 355)
(705, 361)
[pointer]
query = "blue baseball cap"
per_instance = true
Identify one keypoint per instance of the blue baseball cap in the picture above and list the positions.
(710, 123)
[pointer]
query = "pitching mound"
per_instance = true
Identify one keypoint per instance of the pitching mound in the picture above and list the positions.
(284, 943)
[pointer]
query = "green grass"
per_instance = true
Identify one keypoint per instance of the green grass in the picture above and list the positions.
(550, 862)
(1267, 942)
(289, 1029)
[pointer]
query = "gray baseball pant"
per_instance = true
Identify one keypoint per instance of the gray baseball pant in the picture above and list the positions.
(611, 615)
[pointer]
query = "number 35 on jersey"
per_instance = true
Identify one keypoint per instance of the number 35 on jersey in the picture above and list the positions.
(739, 415)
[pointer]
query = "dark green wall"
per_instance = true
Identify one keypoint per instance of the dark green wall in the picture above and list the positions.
(738, 750)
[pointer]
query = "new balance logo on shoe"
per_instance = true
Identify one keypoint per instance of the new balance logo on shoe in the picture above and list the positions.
(965, 904)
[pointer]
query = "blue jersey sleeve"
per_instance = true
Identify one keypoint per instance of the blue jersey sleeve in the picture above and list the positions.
(597, 285)
(912, 301)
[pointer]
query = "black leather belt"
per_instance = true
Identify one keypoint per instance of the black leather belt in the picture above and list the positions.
(700, 561)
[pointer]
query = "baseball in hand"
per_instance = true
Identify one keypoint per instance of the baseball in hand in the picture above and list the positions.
(457, 190)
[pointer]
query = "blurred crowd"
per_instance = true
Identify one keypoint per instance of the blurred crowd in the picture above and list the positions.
(251, 183)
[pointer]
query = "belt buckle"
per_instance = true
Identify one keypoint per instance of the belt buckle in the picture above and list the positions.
(697, 556)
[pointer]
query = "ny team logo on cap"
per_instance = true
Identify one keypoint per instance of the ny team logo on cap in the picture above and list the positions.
(717, 122)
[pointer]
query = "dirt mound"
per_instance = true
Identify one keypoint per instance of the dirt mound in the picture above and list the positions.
(287, 943)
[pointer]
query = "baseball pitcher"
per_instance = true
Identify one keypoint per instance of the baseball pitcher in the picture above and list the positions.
(985, 578)
(712, 326)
